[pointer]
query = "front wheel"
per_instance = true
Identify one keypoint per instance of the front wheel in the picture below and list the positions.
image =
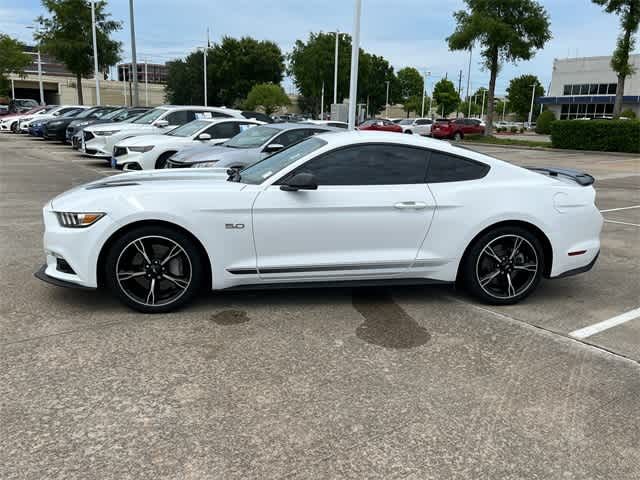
(162, 160)
(457, 136)
(154, 269)
(503, 266)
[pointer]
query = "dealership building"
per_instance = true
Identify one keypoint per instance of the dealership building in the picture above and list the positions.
(586, 88)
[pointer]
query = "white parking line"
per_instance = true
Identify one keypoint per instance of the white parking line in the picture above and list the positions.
(618, 209)
(623, 223)
(605, 325)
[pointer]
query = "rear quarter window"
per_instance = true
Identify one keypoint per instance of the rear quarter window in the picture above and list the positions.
(449, 168)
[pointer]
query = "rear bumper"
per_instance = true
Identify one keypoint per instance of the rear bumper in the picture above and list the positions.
(579, 270)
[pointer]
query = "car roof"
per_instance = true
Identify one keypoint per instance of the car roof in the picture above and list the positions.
(353, 137)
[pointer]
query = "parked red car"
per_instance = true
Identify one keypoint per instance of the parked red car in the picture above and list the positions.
(380, 125)
(456, 128)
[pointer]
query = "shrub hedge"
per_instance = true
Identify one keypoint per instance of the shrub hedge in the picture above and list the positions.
(602, 135)
(543, 124)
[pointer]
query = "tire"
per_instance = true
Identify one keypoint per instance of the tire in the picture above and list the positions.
(14, 127)
(408, 132)
(457, 136)
(154, 269)
(161, 162)
(491, 272)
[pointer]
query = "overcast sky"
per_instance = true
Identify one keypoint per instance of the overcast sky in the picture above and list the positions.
(406, 32)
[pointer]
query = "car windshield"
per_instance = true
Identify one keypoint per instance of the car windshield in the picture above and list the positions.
(188, 129)
(406, 121)
(150, 116)
(88, 112)
(259, 172)
(71, 113)
(252, 138)
(114, 113)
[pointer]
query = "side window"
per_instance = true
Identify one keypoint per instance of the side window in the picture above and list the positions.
(292, 136)
(180, 117)
(223, 130)
(447, 168)
(369, 165)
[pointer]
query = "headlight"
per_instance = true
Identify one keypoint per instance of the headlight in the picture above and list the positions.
(210, 164)
(105, 133)
(140, 149)
(78, 220)
(82, 124)
(54, 124)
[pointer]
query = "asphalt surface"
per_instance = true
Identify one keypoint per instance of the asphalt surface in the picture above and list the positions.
(412, 383)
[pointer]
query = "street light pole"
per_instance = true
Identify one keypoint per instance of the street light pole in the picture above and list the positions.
(482, 110)
(424, 91)
(387, 104)
(504, 107)
(95, 51)
(205, 69)
(533, 94)
(469, 80)
(13, 90)
(335, 70)
(39, 68)
(146, 86)
(134, 64)
(355, 52)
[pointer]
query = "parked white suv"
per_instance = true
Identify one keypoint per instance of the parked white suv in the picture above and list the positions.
(99, 140)
(418, 126)
(147, 152)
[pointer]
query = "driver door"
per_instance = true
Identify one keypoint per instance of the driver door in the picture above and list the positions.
(368, 217)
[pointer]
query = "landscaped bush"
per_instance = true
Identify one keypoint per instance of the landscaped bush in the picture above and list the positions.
(602, 135)
(543, 125)
(628, 113)
(514, 130)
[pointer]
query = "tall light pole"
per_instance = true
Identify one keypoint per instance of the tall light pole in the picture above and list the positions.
(469, 80)
(533, 94)
(355, 52)
(95, 51)
(335, 69)
(134, 64)
(13, 90)
(206, 48)
(504, 107)
(424, 90)
(322, 102)
(387, 104)
(31, 27)
(146, 86)
(482, 110)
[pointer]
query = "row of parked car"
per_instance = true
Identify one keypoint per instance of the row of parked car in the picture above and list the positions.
(172, 136)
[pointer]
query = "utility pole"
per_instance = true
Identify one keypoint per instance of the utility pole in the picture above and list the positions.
(355, 52)
(533, 94)
(459, 92)
(504, 107)
(95, 51)
(387, 104)
(484, 91)
(13, 90)
(322, 102)
(146, 86)
(206, 48)
(335, 69)
(134, 64)
(469, 80)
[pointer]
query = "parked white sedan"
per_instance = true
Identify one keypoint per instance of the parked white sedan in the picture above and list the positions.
(340, 208)
(146, 152)
(418, 126)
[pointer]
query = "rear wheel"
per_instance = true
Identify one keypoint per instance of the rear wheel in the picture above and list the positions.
(154, 269)
(503, 266)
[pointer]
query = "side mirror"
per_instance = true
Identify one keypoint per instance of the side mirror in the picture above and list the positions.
(204, 136)
(273, 147)
(300, 181)
(161, 123)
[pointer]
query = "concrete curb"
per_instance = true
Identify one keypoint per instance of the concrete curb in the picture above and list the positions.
(550, 149)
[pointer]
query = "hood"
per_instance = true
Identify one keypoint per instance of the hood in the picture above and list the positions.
(120, 126)
(101, 193)
(221, 154)
(144, 140)
(186, 154)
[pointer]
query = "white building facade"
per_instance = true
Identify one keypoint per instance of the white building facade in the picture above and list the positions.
(586, 88)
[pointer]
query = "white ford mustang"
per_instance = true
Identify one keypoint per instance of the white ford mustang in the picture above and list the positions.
(340, 208)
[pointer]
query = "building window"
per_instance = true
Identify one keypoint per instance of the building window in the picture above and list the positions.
(567, 90)
(613, 88)
(590, 89)
(586, 110)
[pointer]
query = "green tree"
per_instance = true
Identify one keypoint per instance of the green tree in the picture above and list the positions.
(519, 93)
(446, 97)
(629, 12)
(66, 34)
(268, 96)
(234, 67)
(411, 85)
(311, 64)
(414, 104)
(474, 111)
(12, 60)
(543, 125)
(508, 31)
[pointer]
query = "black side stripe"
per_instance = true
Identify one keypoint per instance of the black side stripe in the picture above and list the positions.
(330, 268)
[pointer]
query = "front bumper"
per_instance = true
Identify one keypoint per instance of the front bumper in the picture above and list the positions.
(41, 274)
(96, 147)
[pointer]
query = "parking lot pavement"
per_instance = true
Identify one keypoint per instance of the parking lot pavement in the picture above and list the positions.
(412, 383)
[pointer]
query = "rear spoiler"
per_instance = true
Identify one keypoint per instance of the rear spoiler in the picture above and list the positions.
(581, 178)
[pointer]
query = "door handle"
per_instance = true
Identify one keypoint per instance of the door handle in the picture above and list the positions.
(410, 205)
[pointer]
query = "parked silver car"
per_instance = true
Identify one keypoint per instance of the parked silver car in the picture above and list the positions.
(247, 147)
